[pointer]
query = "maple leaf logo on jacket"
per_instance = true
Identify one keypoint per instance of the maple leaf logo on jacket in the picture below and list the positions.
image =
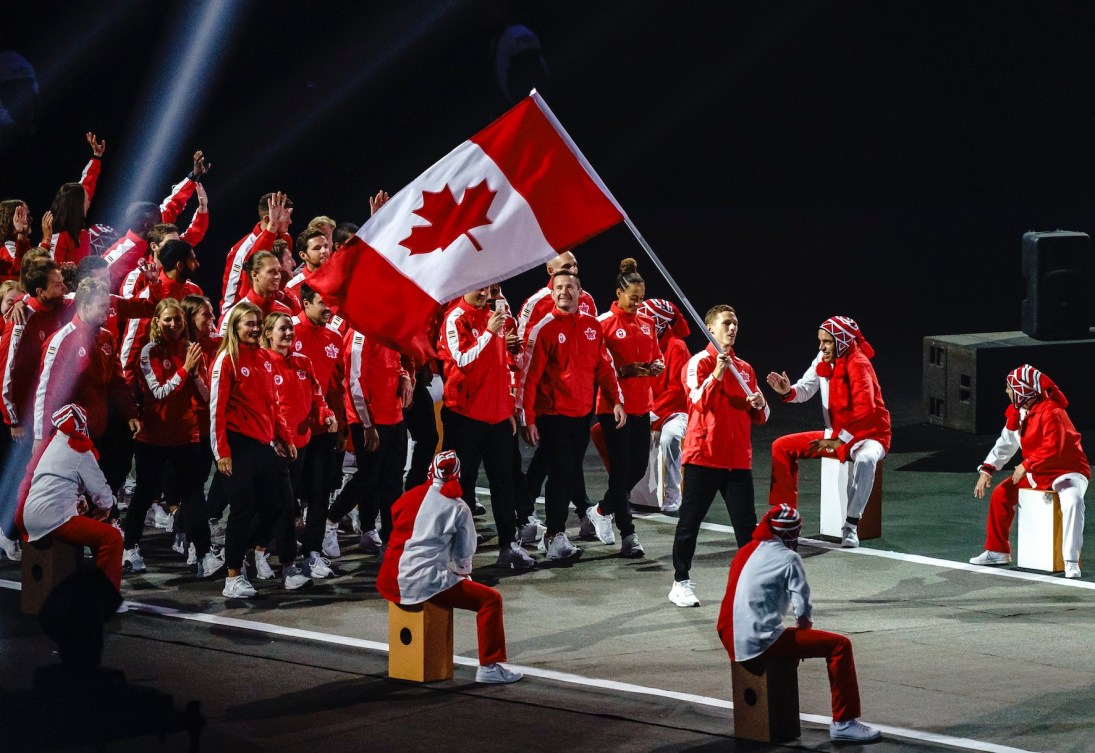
(449, 219)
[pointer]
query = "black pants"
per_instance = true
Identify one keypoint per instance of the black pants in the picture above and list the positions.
(422, 426)
(525, 504)
(151, 461)
(474, 441)
(538, 471)
(628, 453)
(563, 439)
(313, 487)
(700, 484)
(116, 449)
(283, 537)
(378, 481)
(256, 495)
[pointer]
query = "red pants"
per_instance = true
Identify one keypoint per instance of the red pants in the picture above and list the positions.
(104, 540)
(786, 452)
(1002, 505)
(807, 643)
(486, 602)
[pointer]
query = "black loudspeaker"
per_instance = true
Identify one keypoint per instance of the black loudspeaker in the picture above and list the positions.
(1058, 268)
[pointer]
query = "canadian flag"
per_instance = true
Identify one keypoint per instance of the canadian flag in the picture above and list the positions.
(515, 195)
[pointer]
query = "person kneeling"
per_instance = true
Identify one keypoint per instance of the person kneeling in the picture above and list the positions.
(63, 485)
(428, 559)
(768, 579)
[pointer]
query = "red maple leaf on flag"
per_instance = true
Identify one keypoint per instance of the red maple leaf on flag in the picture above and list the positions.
(449, 219)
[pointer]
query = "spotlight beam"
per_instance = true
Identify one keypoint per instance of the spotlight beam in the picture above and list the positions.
(174, 97)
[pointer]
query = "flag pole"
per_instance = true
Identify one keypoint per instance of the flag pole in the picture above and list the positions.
(684, 300)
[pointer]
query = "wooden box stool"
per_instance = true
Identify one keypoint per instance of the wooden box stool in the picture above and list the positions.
(1039, 535)
(834, 501)
(766, 699)
(46, 562)
(419, 642)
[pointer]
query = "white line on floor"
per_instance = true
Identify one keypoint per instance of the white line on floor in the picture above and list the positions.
(868, 552)
(548, 674)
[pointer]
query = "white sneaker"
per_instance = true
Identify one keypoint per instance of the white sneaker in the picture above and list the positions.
(671, 506)
(532, 531)
(560, 548)
(210, 564)
(179, 547)
(191, 555)
(355, 520)
(682, 594)
(263, 571)
(853, 732)
(1072, 569)
(631, 548)
(12, 549)
(602, 524)
(849, 536)
(989, 557)
(370, 541)
(295, 578)
(216, 532)
(155, 511)
(513, 557)
(586, 530)
(317, 566)
(132, 562)
(238, 588)
(330, 541)
(496, 674)
(164, 519)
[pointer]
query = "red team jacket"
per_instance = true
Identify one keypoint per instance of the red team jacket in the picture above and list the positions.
(136, 329)
(237, 283)
(855, 402)
(670, 396)
(306, 411)
(565, 350)
(1051, 444)
(630, 338)
(719, 417)
(170, 396)
(243, 398)
(80, 365)
(128, 250)
(373, 373)
(323, 344)
(65, 247)
(476, 365)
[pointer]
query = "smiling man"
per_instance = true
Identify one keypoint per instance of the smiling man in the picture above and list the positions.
(718, 448)
(856, 419)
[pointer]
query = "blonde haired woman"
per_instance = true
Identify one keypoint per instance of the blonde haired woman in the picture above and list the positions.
(248, 432)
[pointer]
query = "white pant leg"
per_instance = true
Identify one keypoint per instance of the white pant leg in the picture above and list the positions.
(866, 455)
(646, 490)
(669, 460)
(1070, 490)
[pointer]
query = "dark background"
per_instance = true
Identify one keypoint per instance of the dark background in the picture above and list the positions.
(794, 159)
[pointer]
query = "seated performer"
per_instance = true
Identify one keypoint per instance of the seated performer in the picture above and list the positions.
(428, 558)
(1052, 459)
(855, 416)
(64, 482)
(767, 580)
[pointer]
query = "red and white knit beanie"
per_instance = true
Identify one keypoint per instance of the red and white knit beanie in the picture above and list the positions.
(1027, 382)
(781, 521)
(445, 473)
(71, 420)
(845, 332)
(666, 316)
(785, 521)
